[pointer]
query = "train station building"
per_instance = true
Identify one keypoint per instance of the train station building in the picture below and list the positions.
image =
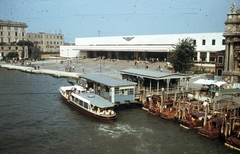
(141, 47)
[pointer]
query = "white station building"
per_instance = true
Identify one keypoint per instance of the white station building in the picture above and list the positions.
(144, 46)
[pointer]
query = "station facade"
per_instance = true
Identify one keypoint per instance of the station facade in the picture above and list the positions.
(143, 47)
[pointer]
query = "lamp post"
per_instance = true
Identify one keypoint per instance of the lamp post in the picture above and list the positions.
(100, 61)
(168, 50)
(145, 55)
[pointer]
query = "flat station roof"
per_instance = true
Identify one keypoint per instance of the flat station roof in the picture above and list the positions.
(107, 80)
(152, 74)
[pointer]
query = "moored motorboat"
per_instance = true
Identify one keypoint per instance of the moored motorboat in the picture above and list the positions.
(233, 141)
(195, 120)
(88, 103)
(212, 128)
(168, 111)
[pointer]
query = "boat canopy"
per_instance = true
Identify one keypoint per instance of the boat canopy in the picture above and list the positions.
(209, 82)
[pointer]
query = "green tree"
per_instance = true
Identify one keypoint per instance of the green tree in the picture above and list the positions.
(36, 54)
(12, 55)
(29, 44)
(182, 57)
(23, 44)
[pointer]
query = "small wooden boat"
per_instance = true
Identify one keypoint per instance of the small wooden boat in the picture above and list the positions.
(195, 120)
(213, 127)
(234, 141)
(88, 103)
(168, 111)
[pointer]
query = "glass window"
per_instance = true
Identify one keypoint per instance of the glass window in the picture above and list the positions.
(213, 42)
(223, 42)
(80, 102)
(85, 105)
(194, 42)
(220, 59)
(203, 42)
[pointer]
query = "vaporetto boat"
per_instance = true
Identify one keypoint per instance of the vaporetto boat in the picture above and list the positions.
(88, 103)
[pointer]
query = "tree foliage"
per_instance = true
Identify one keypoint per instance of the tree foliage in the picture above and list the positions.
(182, 57)
(24, 43)
(12, 55)
(35, 52)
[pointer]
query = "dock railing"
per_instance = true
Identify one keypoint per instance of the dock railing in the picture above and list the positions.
(168, 92)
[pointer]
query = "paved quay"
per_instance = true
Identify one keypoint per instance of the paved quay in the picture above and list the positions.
(89, 66)
(57, 68)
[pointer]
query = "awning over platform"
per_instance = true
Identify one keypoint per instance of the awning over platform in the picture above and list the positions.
(209, 82)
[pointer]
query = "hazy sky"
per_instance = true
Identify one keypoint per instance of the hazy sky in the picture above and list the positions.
(92, 18)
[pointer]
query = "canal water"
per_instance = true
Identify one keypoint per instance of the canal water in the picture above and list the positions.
(34, 119)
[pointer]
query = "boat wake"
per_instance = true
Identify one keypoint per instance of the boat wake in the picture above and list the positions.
(117, 130)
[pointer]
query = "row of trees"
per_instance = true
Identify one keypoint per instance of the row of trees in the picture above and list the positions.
(33, 51)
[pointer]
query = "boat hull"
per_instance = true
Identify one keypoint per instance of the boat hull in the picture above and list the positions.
(215, 133)
(233, 142)
(188, 124)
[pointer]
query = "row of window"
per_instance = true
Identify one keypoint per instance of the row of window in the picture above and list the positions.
(49, 42)
(124, 91)
(80, 102)
(47, 36)
(213, 42)
(10, 28)
(36, 36)
(11, 48)
(9, 33)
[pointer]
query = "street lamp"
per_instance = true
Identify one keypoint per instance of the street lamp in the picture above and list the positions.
(100, 61)
(167, 54)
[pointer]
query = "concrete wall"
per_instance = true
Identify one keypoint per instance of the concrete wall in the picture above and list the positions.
(69, 51)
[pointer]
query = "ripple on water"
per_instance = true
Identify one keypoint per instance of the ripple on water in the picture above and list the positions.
(117, 130)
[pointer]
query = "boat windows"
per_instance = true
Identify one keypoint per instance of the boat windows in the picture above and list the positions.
(85, 105)
(80, 102)
(77, 101)
(73, 98)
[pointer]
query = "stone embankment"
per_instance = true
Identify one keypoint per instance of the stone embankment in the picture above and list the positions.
(42, 71)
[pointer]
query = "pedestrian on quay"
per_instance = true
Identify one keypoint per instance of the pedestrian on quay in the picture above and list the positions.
(73, 68)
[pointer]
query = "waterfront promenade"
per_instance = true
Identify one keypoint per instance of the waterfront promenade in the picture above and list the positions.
(57, 67)
(89, 66)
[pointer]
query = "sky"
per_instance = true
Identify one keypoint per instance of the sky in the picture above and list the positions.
(97, 18)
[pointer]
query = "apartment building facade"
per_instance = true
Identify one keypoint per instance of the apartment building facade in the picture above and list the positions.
(10, 33)
(46, 42)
